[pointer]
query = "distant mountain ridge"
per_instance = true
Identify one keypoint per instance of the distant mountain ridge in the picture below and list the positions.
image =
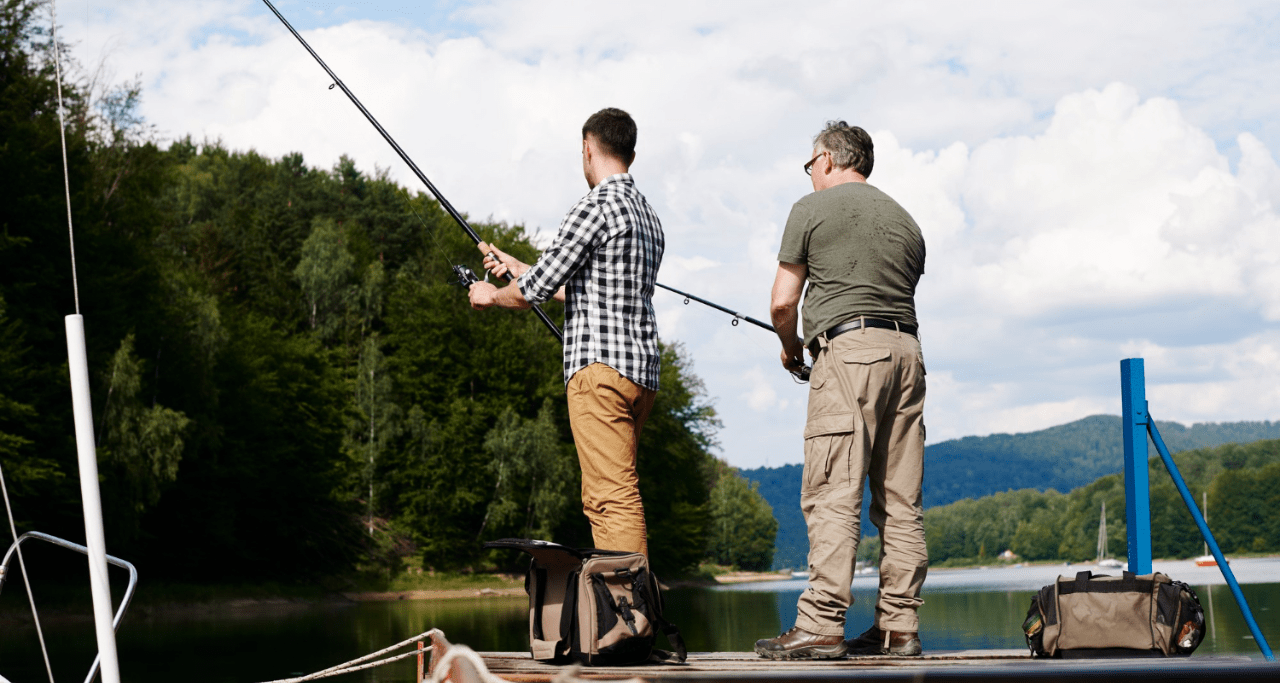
(1061, 458)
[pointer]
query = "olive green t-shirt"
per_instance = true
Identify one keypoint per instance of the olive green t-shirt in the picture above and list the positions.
(864, 252)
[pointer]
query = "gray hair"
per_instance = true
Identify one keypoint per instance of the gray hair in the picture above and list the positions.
(849, 146)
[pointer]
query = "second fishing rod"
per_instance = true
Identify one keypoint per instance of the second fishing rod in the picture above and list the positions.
(464, 274)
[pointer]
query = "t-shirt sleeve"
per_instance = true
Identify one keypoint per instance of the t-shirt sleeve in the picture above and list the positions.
(795, 237)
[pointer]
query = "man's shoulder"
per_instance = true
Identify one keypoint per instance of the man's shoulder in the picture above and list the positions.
(867, 196)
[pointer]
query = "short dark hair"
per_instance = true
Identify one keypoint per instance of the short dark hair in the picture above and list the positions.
(615, 130)
(850, 147)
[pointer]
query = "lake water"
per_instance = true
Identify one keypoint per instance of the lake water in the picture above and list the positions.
(964, 609)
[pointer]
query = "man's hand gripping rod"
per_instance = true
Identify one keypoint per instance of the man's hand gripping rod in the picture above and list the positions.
(444, 203)
(801, 375)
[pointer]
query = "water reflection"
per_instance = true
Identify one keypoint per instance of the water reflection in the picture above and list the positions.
(289, 639)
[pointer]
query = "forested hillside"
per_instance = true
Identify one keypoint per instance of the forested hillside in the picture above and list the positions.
(1244, 512)
(285, 383)
(1061, 458)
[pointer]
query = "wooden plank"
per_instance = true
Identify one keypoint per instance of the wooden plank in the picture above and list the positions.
(518, 666)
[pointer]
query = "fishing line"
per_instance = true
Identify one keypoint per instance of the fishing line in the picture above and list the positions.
(440, 198)
(465, 276)
(426, 228)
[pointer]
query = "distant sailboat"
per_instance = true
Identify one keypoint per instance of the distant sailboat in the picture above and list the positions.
(1205, 560)
(1103, 560)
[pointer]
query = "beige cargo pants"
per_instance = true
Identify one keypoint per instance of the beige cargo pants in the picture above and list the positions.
(606, 413)
(866, 420)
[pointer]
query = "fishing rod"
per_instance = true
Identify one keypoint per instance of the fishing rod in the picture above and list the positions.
(464, 274)
(801, 375)
(736, 315)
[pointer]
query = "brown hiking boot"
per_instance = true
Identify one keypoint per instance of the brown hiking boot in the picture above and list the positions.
(800, 644)
(873, 641)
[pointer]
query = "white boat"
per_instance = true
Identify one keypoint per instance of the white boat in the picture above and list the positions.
(1206, 560)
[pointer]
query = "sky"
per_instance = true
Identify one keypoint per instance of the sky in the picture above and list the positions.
(1094, 180)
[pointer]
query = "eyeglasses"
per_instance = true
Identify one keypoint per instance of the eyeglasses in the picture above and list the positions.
(808, 168)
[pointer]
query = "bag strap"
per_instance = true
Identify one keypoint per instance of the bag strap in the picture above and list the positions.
(539, 598)
(1082, 580)
(568, 615)
(654, 598)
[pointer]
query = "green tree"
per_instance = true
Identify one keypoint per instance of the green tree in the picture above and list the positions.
(376, 420)
(742, 524)
(139, 444)
(324, 272)
(676, 467)
(533, 470)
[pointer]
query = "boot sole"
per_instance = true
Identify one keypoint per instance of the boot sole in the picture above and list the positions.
(887, 653)
(803, 653)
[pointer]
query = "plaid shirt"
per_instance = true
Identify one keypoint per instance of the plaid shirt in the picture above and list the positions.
(607, 256)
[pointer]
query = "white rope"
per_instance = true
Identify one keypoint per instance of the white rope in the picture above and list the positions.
(348, 667)
(351, 669)
(66, 178)
(23, 565)
(442, 669)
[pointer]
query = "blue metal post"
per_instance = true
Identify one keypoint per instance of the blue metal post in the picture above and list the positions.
(1208, 538)
(1137, 491)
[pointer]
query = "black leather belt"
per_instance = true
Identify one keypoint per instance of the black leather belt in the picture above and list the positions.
(858, 324)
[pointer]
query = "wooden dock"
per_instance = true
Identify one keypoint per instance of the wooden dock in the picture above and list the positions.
(937, 667)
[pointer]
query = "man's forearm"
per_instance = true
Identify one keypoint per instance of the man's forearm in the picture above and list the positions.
(785, 321)
(510, 297)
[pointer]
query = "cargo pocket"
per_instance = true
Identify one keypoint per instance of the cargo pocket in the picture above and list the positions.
(828, 446)
(864, 355)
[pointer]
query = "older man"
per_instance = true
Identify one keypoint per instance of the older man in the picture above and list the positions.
(862, 255)
(603, 264)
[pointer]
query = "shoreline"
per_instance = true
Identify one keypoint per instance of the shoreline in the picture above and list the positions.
(231, 604)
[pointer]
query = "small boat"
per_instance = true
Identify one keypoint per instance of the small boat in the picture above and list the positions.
(1206, 560)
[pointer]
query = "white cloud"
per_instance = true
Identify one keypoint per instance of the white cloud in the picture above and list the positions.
(1086, 174)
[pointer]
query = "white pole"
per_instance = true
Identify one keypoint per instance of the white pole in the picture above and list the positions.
(94, 536)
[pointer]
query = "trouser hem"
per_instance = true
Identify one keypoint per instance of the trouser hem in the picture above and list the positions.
(824, 629)
(900, 625)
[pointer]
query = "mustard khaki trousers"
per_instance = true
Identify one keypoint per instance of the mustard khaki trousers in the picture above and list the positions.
(866, 421)
(606, 413)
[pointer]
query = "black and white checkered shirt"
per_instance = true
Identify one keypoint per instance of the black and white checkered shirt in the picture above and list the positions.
(607, 255)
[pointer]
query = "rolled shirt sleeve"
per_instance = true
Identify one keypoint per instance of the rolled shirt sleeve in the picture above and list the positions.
(581, 231)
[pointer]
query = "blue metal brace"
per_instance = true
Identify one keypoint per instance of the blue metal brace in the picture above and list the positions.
(1137, 490)
(1138, 423)
(1227, 574)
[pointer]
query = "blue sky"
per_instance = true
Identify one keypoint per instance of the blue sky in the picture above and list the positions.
(1095, 180)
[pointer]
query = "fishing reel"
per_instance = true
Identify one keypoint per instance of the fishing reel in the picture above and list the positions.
(466, 277)
(801, 376)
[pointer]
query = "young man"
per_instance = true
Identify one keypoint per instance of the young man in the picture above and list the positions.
(862, 255)
(603, 264)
